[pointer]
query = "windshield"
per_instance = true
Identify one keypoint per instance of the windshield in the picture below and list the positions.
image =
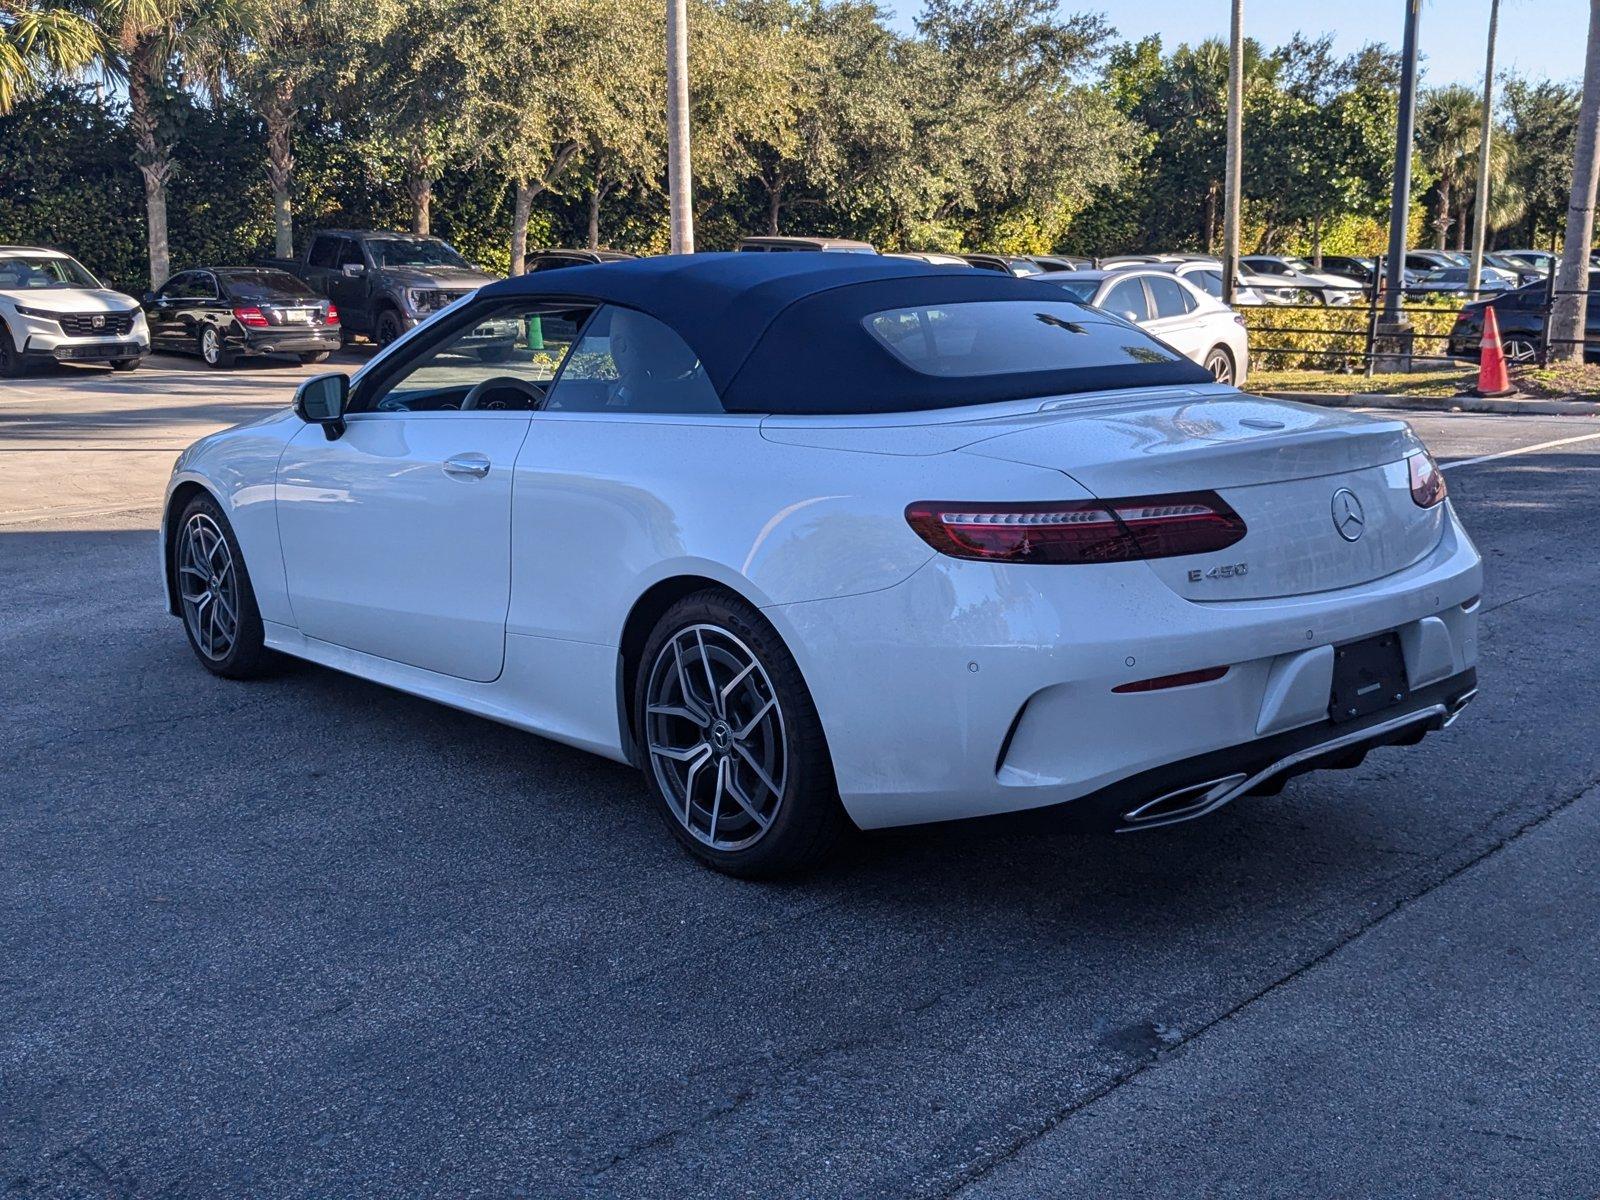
(265, 285)
(1299, 264)
(422, 252)
(1078, 289)
(1008, 337)
(32, 272)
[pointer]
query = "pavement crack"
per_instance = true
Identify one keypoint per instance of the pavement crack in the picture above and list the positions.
(976, 1171)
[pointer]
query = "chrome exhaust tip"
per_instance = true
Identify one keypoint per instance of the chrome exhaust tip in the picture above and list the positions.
(1184, 803)
(1457, 706)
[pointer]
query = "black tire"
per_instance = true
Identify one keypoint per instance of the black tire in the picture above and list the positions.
(388, 328)
(247, 656)
(1219, 361)
(208, 344)
(808, 820)
(125, 364)
(319, 356)
(11, 364)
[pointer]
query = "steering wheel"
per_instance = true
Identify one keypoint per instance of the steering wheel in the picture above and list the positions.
(473, 399)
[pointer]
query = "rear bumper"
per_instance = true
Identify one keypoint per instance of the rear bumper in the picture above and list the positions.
(973, 690)
(288, 340)
(1198, 786)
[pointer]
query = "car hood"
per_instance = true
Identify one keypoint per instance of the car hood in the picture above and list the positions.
(70, 300)
(445, 277)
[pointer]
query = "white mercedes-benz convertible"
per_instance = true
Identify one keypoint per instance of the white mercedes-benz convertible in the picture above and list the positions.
(819, 540)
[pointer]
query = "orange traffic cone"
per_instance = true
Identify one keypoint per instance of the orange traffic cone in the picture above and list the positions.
(1493, 378)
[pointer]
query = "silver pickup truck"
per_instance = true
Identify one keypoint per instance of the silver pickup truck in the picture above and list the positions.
(384, 283)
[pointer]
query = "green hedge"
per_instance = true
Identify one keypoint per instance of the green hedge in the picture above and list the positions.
(1334, 338)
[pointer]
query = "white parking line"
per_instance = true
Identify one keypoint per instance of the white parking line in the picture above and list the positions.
(1467, 462)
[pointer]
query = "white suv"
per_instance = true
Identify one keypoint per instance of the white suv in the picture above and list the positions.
(53, 310)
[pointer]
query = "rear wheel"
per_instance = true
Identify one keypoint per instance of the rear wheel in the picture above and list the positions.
(210, 344)
(734, 751)
(214, 593)
(1219, 361)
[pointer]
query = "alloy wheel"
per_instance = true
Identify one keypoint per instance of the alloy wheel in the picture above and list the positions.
(715, 734)
(210, 345)
(1220, 366)
(1520, 350)
(208, 582)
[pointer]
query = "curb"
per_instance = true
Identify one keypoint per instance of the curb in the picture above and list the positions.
(1504, 406)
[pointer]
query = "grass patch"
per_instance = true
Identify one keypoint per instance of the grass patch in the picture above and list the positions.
(1559, 379)
(1447, 382)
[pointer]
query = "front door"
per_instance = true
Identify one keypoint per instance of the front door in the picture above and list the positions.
(397, 534)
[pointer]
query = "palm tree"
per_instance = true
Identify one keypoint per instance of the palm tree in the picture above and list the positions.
(41, 42)
(1448, 132)
(156, 45)
(1572, 301)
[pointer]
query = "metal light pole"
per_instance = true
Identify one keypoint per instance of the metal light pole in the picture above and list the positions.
(1480, 213)
(1235, 160)
(680, 190)
(1400, 212)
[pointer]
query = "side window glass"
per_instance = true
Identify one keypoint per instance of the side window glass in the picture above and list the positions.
(1127, 301)
(1210, 281)
(172, 289)
(1170, 297)
(350, 253)
(205, 286)
(628, 362)
(324, 250)
(504, 361)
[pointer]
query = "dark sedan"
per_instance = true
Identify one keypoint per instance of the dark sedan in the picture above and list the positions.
(1521, 317)
(225, 313)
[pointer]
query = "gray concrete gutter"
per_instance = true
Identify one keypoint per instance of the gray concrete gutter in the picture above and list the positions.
(1526, 406)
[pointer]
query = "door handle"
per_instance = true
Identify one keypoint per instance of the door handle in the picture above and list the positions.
(469, 466)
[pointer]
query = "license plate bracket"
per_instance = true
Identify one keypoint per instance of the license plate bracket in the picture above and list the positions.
(1368, 675)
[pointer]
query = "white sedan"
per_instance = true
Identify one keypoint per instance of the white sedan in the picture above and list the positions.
(828, 541)
(1170, 308)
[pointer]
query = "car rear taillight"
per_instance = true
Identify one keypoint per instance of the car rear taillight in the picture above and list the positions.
(1427, 481)
(1182, 679)
(1079, 531)
(250, 316)
(333, 315)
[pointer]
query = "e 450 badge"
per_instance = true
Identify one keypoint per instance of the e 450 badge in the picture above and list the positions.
(1226, 571)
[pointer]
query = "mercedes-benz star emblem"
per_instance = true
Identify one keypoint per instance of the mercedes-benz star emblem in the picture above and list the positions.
(1348, 518)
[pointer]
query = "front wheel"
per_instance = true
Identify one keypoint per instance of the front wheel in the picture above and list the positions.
(11, 364)
(319, 356)
(734, 752)
(124, 364)
(1520, 350)
(211, 350)
(215, 597)
(1219, 361)
(389, 327)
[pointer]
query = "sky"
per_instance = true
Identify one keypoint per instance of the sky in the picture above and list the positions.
(1538, 38)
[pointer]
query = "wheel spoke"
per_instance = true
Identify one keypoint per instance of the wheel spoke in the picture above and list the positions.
(745, 803)
(761, 774)
(689, 698)
(722, 697)
(744, 731)
(681, 711)
(688, 754)
(716, 801)
(711, 680)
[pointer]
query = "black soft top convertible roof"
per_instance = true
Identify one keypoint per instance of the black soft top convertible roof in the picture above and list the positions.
(785, 333)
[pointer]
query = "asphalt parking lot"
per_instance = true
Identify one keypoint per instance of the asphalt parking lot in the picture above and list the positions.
(309, 937)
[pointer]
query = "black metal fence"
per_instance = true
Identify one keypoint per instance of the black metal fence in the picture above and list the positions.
(1365, 340)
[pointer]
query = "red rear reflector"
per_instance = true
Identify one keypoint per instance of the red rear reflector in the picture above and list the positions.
(1427, 481)
(1078, 531)
(333, 315)
(1183, 679)
(249, 316)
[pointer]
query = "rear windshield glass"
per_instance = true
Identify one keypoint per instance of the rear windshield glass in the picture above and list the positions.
(1004, 337)
(1078, 289)
(265, 285)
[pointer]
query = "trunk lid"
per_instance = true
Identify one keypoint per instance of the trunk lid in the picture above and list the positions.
(1296, 474)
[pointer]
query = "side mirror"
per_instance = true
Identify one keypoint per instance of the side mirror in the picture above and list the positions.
(321, 400)
(353, 269)
(1128, 315)
(148, 298)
